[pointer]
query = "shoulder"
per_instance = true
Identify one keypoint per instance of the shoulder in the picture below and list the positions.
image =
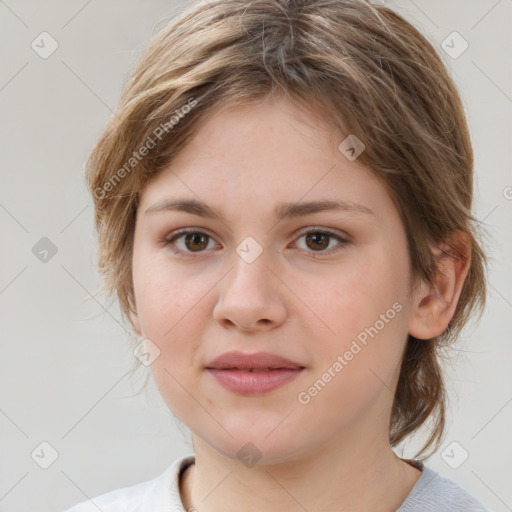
(127, 498)
(160, 493)
(435, 493)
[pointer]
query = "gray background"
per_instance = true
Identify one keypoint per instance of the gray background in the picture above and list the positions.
(65, 356)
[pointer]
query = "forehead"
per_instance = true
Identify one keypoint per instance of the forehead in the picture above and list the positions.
(260, 155)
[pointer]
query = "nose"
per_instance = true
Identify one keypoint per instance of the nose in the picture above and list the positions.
(251, 297)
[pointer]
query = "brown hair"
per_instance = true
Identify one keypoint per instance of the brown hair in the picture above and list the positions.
(370, 72)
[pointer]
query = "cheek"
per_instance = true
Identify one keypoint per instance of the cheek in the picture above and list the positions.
(365, 308)
(167, 296)
(356, 294)
(355, 368)
(172, 307)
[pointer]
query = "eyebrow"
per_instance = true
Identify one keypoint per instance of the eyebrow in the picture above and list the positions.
(282, 210)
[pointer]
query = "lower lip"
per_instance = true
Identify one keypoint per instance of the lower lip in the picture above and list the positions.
(254, 383)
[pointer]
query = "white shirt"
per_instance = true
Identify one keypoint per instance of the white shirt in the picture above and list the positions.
(431, 493)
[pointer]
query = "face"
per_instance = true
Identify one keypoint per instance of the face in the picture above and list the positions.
(325, 288)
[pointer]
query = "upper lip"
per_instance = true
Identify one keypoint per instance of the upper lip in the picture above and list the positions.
(256, 360)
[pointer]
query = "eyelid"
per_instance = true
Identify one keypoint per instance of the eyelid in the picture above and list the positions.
(329, 231)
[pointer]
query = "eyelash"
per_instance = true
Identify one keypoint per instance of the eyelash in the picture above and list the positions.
(169, 242)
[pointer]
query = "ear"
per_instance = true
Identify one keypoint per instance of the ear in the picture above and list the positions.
(434, 305)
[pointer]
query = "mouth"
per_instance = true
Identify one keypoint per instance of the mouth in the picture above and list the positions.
(253, 374)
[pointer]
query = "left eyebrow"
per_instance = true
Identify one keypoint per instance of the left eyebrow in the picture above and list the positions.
(282, 210)
(300, 209)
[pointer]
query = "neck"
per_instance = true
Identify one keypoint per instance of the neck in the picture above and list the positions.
(335, 478)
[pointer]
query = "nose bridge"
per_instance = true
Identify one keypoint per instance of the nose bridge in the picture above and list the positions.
(251, 261)
(249, 297)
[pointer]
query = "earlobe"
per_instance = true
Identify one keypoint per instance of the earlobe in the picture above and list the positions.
(434, 304)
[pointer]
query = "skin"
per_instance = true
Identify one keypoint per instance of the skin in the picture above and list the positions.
(303, 301)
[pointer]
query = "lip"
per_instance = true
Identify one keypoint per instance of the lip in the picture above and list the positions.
(257, 361)
(234, 371)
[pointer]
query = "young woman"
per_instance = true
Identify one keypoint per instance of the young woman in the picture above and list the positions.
(283, 203)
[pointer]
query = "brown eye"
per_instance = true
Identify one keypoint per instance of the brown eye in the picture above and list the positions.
(320, 242)
(187, 242)
(317, 240)
(196, 241)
